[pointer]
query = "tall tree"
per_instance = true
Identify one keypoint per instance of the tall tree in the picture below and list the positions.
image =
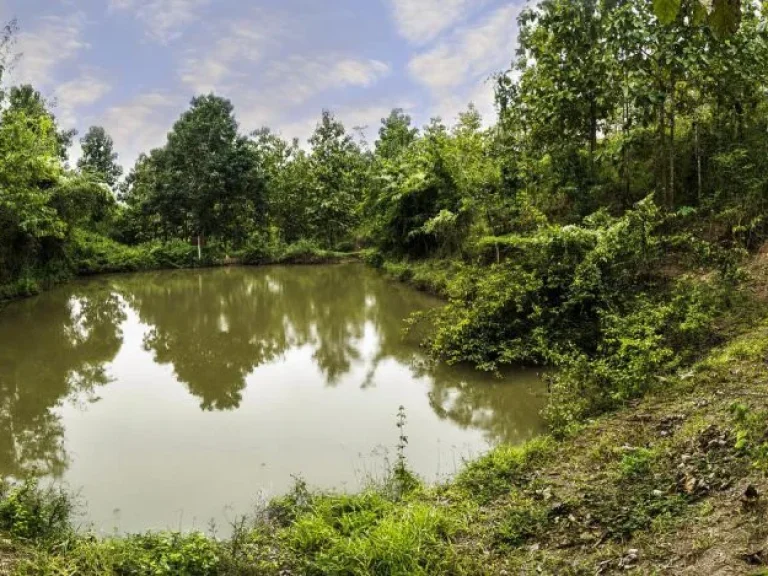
(395, 134)
(99, 158)
(204, 182)
(26, 98)
(335, 158)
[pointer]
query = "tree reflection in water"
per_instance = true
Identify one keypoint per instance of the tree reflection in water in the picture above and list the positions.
(51, 348)
(215, 328)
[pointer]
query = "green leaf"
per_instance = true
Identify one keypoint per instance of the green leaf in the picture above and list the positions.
(666, 10)
(725, 17)
(700, 13)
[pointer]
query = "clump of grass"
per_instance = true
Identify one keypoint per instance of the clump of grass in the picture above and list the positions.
(636, 464)
(370, 535)
(523, 520)
(500, 470)
(751, 434)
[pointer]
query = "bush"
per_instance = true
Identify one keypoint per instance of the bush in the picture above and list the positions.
(259, 249)
(304, 252)
(20, 288)
(30, 513)
(90, 253)
(654, 337)
(373, 258)
(175, 254)
(595, 300)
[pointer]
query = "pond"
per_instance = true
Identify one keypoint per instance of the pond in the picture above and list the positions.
(170, 399)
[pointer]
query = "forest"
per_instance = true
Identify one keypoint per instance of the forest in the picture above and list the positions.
(609, 223)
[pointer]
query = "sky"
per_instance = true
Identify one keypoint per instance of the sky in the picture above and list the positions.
(133, 66)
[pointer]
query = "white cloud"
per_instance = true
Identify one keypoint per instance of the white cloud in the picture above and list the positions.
(216, 67)
(470, 52)
(296, 79)
(290, 84)
(141, 124)
(72, 95)
(163, 19)
(45, 48)
(457, 69)
(420, 21)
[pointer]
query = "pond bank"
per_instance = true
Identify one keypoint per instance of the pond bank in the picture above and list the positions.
(674, 484)
(91, 254)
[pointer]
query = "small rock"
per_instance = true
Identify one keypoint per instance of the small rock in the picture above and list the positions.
(754, 557)
(558, 509)
(750, 498)
(658, 493)
(690, 484)
(629, 559)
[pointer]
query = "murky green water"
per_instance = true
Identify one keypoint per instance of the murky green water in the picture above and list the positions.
(170, 399)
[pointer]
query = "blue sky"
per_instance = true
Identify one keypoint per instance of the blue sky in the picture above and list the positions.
(133, 65)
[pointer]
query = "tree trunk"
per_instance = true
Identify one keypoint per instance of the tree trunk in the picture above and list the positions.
(592, 128)
(627, 183)
(672, 143)
(698, 160)
(660, 154)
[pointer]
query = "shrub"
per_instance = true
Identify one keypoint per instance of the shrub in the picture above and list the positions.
(303, 252)
(175, 254)
(258, 250)
(30, 513)
(91, 253)
(595, 300)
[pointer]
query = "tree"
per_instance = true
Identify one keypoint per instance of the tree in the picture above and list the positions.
(29, 169)
(336, 161)
(99, 158)
(210, 165)
(395, 134)
(204, 182)
(26, 98)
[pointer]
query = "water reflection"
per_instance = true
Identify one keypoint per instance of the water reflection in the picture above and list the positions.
(51, 348)
(215, 329)
(218, 326)
(472, 399)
